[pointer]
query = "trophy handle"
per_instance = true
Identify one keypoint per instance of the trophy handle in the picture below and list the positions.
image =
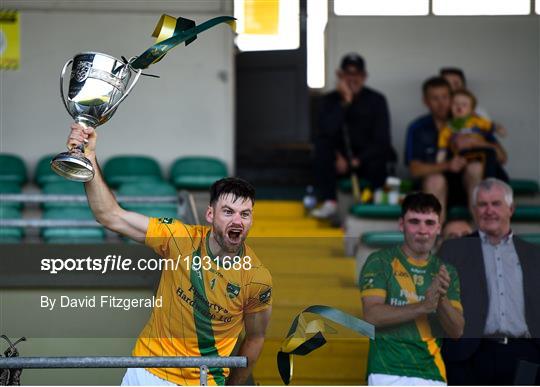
(123, 97)
(62, 83)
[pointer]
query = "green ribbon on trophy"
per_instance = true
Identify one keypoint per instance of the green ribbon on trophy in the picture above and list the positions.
(305, 337)
(170, 32)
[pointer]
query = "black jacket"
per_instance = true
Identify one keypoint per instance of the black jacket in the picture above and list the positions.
(367, 120)
(466, 256)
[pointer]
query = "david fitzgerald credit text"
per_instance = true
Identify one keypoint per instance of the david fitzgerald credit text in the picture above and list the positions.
(97, 302)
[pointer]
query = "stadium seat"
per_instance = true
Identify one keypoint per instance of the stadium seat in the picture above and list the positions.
(71, 234)
(458, 212)
(527, 214)
(524, 187)
(523, 213)
(382, 239)
(12, 169)
(8, 187)
(64, 187)
(44, 174)
(156, 210)
(531, 238)
(345, 185)
(10, 234)
(376, 211)
(197, 173)
(131, 169)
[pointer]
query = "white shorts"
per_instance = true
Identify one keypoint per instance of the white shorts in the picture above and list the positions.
(142, 377)
(395, 380)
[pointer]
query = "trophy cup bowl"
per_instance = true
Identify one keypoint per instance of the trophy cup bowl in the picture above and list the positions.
(98, 84)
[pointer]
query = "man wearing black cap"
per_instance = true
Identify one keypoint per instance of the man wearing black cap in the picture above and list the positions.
(353, 120)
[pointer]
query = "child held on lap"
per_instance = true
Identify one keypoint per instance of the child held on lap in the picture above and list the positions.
(465, 122)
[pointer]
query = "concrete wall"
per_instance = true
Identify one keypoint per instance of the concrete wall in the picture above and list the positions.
(500, 55)
(188, 111)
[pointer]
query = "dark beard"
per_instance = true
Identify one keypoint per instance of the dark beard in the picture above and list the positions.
(220, 239)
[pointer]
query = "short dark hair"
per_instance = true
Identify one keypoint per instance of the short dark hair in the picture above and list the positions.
(468, 94)
(434, 82)
(420, 202)
(453, 71)
(239, 188)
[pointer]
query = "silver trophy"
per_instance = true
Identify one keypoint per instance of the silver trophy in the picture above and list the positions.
(98, 84)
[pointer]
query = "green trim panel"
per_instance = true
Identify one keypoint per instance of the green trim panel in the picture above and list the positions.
(382, 238)
(376, 211)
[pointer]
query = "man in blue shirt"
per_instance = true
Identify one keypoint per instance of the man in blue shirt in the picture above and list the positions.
(449, 180)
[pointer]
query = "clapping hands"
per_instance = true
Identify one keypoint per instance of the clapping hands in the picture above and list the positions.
(437, 290)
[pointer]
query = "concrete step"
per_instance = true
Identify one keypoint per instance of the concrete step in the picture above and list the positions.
(313, 282)
(305, 266)
(303, 222)
(278, 209)
(259, 232)
(298, 245)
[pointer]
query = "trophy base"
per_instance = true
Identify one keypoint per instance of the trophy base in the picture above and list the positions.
(73, 167)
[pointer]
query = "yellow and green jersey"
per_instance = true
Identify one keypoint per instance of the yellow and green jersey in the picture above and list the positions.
(413, 348)
(473, 125)
(204, 299)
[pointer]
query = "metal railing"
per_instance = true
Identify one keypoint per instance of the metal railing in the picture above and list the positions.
(203, 363)
(185, 208)
(41, 198)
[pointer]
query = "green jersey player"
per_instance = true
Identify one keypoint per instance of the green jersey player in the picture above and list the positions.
(413, 300)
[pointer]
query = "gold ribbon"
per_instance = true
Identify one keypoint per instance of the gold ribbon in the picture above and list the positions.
(164, 28)
(305, 337)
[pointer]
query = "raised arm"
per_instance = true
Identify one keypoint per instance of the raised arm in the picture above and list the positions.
(100, 198)
(255, 325)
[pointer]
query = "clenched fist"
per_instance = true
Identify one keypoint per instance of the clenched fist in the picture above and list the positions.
(82, 135)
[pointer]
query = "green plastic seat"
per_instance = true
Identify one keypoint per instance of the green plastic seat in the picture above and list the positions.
(345, 185)
(524, 186)
(382, 239)
(528, 213)
(10, 234)
(376, 211)
(458, 212)
(64, 187)
(71, 234)
(523, 213)
(9, 187)
(156, 212)
(406, 186)
(531, 238)
(197, 173)
(159, 188)
(119, 170)
(12, 169)
(44, 174)
(149, 189)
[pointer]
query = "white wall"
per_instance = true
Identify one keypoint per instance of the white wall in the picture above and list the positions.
(188, 111)
(500, 56)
